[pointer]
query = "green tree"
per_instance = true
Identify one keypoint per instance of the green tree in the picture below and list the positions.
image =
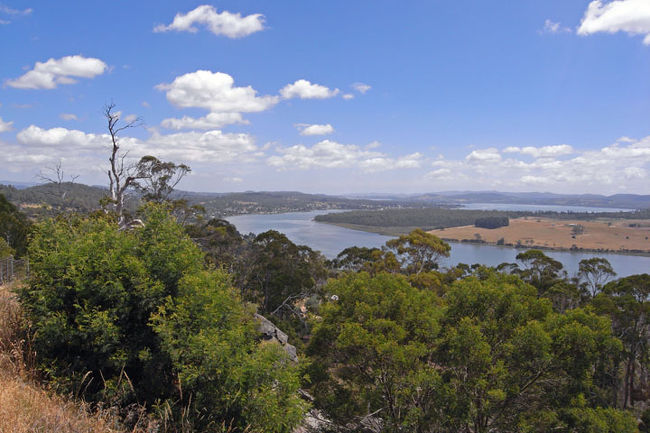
(14, 226)
(539, 270)
(595, 272)
(419, 251)
(156, 179)
(372, 351)
(227, 377)
(627, 302)
(282, 271)
(123, 315)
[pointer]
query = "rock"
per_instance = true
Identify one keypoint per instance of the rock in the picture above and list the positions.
(271, 332)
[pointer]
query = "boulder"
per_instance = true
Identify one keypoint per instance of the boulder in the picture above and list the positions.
(271, 332)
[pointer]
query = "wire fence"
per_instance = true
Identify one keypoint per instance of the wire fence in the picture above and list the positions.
(11, 269)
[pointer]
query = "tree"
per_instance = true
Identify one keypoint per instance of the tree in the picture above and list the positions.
(133, 316)
(121, 177)
(372, 352)
(419, 251)
(14, 226)
(627, 302)
(538, 269)
(157, 179)
(281, 272)
(595, 272)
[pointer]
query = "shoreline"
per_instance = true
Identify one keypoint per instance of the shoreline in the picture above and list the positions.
(397, 231)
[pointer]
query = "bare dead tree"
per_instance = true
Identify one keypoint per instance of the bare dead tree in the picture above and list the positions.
(56, 175)
(120, 175)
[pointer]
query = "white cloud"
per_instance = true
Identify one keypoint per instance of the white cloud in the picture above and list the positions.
(307, 129)
(348, 96)
(9, 11)
(233, 179)
(5, 126)
(84, 152)
(210, 121)
(553, 27)
(484, 155)
(68, 116)
(214, 91)
(621, 166)
(304, 89)
(541, 152)
(49, 74)
(361, 87)
(630, 16)
(210, 146)
(225, 23)
(330, 154)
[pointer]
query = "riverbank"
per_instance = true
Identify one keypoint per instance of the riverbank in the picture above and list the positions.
(607, 235)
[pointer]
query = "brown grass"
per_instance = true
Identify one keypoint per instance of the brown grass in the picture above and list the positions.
(25, 406)
(611, 235)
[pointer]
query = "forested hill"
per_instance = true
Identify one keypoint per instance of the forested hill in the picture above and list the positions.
(397, 221)
(51, 198)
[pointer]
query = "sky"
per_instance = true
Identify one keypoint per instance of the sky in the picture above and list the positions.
(333, 97)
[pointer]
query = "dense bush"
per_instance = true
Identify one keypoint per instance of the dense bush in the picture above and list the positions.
(492, 222)
(133, 317)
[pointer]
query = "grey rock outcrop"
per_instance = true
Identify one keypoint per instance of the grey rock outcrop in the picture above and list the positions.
(271, 332)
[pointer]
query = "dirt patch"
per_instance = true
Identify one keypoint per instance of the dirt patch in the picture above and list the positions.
(600, 235)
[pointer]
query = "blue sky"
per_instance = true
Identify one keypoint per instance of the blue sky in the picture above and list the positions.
(335, 97)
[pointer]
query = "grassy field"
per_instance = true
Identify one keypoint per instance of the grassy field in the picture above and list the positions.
(600, 235)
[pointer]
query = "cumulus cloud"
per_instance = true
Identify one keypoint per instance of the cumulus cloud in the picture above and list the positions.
(553, 27)
(307, 129)
(5, 126)
(620, 166)
(630, 16)
(541, 152)
(348, 96)
(304, 89)
(330, 154)
(361, 87)
(215, 91)
(49, 74)
(210, 121)
(231, 25)
(68, 116)
(482, 155)
(86, 152)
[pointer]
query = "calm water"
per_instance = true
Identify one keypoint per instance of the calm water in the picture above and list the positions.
(543, 208)
(330, 240)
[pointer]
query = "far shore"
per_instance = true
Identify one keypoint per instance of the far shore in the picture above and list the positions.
(631, 237)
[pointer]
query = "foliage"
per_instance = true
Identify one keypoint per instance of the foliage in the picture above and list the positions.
(493, 222)
(595, 272)
(372, 347)
(106, 306)
(419, 251)
(627, 302)
(14, 228)
(157, 179)
(489, 356)
(225, 375)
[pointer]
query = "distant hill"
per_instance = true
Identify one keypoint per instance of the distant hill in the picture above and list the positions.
(626, 201)
(52, 198)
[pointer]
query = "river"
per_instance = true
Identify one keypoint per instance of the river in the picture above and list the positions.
(330, 240)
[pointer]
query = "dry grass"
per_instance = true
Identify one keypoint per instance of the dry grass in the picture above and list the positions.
(25, 407)
(612, 235)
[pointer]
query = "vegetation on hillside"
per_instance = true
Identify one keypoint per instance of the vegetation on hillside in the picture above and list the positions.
(398, 221)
